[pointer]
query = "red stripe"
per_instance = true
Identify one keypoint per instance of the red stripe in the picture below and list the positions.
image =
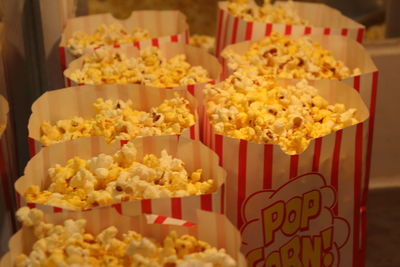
(370, 135)
(363, 236)
(32, 150)
(219, 31)
(160, 219)
(327, 31)
(288, 29)
(69, 82)
(174, 38)
(31, 205)
(188, 224)
(123, 142)
(116, 46)
(176, 206)
(317, 154)
(63, 61)
(235, 29)
(345, 31)
(357, 189)
(7, 188)
(57, 210)
(218, 147)
(360, 35)
(187, 37)
(192, 132)
(241, 180)
(154, 42)
(335, 164)
(137, 45)
(268, 29)
(294, 166)
(191, 88)
(356, 83)
(206, 202)
(118, 208)
(146, 206)
(307, 30)
(249, 30)
(268, 160)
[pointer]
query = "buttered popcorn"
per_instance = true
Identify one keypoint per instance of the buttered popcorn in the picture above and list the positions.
(69, 244)
(109, 179)
(251, 107)
(279, 12)
(104, 35)
(152, 68)
(285, 57)
(203, 41)
(117, 120)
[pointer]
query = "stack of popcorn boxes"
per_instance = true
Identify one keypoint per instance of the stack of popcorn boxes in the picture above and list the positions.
(157, 153)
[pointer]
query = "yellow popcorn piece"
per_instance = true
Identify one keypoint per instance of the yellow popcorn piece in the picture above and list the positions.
(104, 35)
(253, 107)
(151, 67)
(117, 120)
(69, 244)
(279, 12)
(107, 179)
(285, 57)
(203, 41)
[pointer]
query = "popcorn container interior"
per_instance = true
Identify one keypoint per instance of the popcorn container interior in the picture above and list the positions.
(50, 106)
(319, 19)
(160, 26)
(194, 155)
(304, 208)
(212, 228)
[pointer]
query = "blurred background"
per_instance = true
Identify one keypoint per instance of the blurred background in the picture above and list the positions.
(29, 56)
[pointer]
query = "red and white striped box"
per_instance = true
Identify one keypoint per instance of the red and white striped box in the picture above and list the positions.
(163, 27)
(323, 20)
(212, 228)
(309, 203)
(194, 55)
(353, 55)
(77, 101)
(7, 172)
(193, 153)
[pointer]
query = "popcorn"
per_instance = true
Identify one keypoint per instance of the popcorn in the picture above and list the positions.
(116, 120)
(285, 57)
(279, 12)
(252, 107)
(69, 244)
(152, 68)
(108, 179)
(103, 36)
(203, 41)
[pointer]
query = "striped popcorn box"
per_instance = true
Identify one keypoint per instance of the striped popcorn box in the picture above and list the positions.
(303, 209)
(354, 56)
(193, 153)
(212, 228)
(69, 102)
(323, 20)
(162, 26)
(7, 176)
(195, 56)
